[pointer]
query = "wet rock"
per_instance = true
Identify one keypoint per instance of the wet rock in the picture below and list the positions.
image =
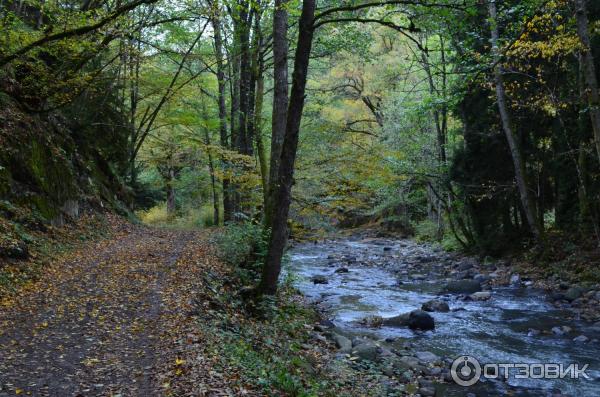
(557, 331)
(320, 279)
(581, 339)
(464, 266)
(366, 351)
(406, 376)
(573, 293)
(435, 305)
(533, 332)
(481, 296)
(427, 392)
(342, 343)
(408, 362)
(326, 323)
(387, 249)
(342, 270)
(561, 330)
(418, 277)
(481, 278)
(372, 321)
(463, 286)
(557, 296)
(397, 321)
(420, 320)
(427, 357)
(467, 274)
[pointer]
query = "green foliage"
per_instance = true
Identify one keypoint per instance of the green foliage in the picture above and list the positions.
(243, 246)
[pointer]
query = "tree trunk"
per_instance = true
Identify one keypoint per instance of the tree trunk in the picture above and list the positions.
(589, 70)
(227, 204)
(280, 102)
(258, 73)
(279, 233)
(513, 142)
(211, 169)
(170, 193)
(245, 77)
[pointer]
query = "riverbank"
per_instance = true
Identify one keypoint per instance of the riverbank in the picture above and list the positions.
(367, 285)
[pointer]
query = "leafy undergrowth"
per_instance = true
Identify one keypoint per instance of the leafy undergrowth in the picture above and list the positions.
(565, 258)
(226, 349)
(28, 243)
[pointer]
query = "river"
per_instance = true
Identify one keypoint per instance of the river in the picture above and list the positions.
(382, 277)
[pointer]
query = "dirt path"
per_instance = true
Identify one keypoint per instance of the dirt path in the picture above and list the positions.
(98, 323)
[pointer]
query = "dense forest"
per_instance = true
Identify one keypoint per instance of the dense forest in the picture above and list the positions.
(469, 125)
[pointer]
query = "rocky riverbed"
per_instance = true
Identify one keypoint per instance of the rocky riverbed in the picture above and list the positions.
(409, 310)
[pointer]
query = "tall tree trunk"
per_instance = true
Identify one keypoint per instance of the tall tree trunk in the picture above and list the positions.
(170, 193)
(245, 76)
(589, 70)
(258, 77)
(279, 233)
(218, 41)
(211, 169)
(234, 87)
(280, 101)
(513, 142)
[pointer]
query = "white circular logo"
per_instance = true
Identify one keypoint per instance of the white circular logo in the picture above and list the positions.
(465, 371)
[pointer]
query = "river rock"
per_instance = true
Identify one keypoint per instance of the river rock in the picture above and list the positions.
(481, 296)
(435, 305)
(397, 321)
(427, 357)
(319, 279)
(418, 319)
(581, 339)
(565, 329)
(342, 270)
(427, 392)
(463, 286)
(573, 293)
(533, 332)
(481, 278)
(366, 351)
(373, 321)
(343, 344)
(326, 323)
(464, 266)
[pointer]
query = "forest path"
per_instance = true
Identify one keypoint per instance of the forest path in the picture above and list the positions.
(107, 319)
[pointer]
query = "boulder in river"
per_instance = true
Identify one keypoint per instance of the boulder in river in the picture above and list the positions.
(319, 279)
(435, 305)
(415, 320)
(481, 296)
(418, 319)
(463, 286)
(342, 270)
(581, 339)
(397, 321)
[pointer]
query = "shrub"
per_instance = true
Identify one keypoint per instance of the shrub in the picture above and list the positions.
(244, 247)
